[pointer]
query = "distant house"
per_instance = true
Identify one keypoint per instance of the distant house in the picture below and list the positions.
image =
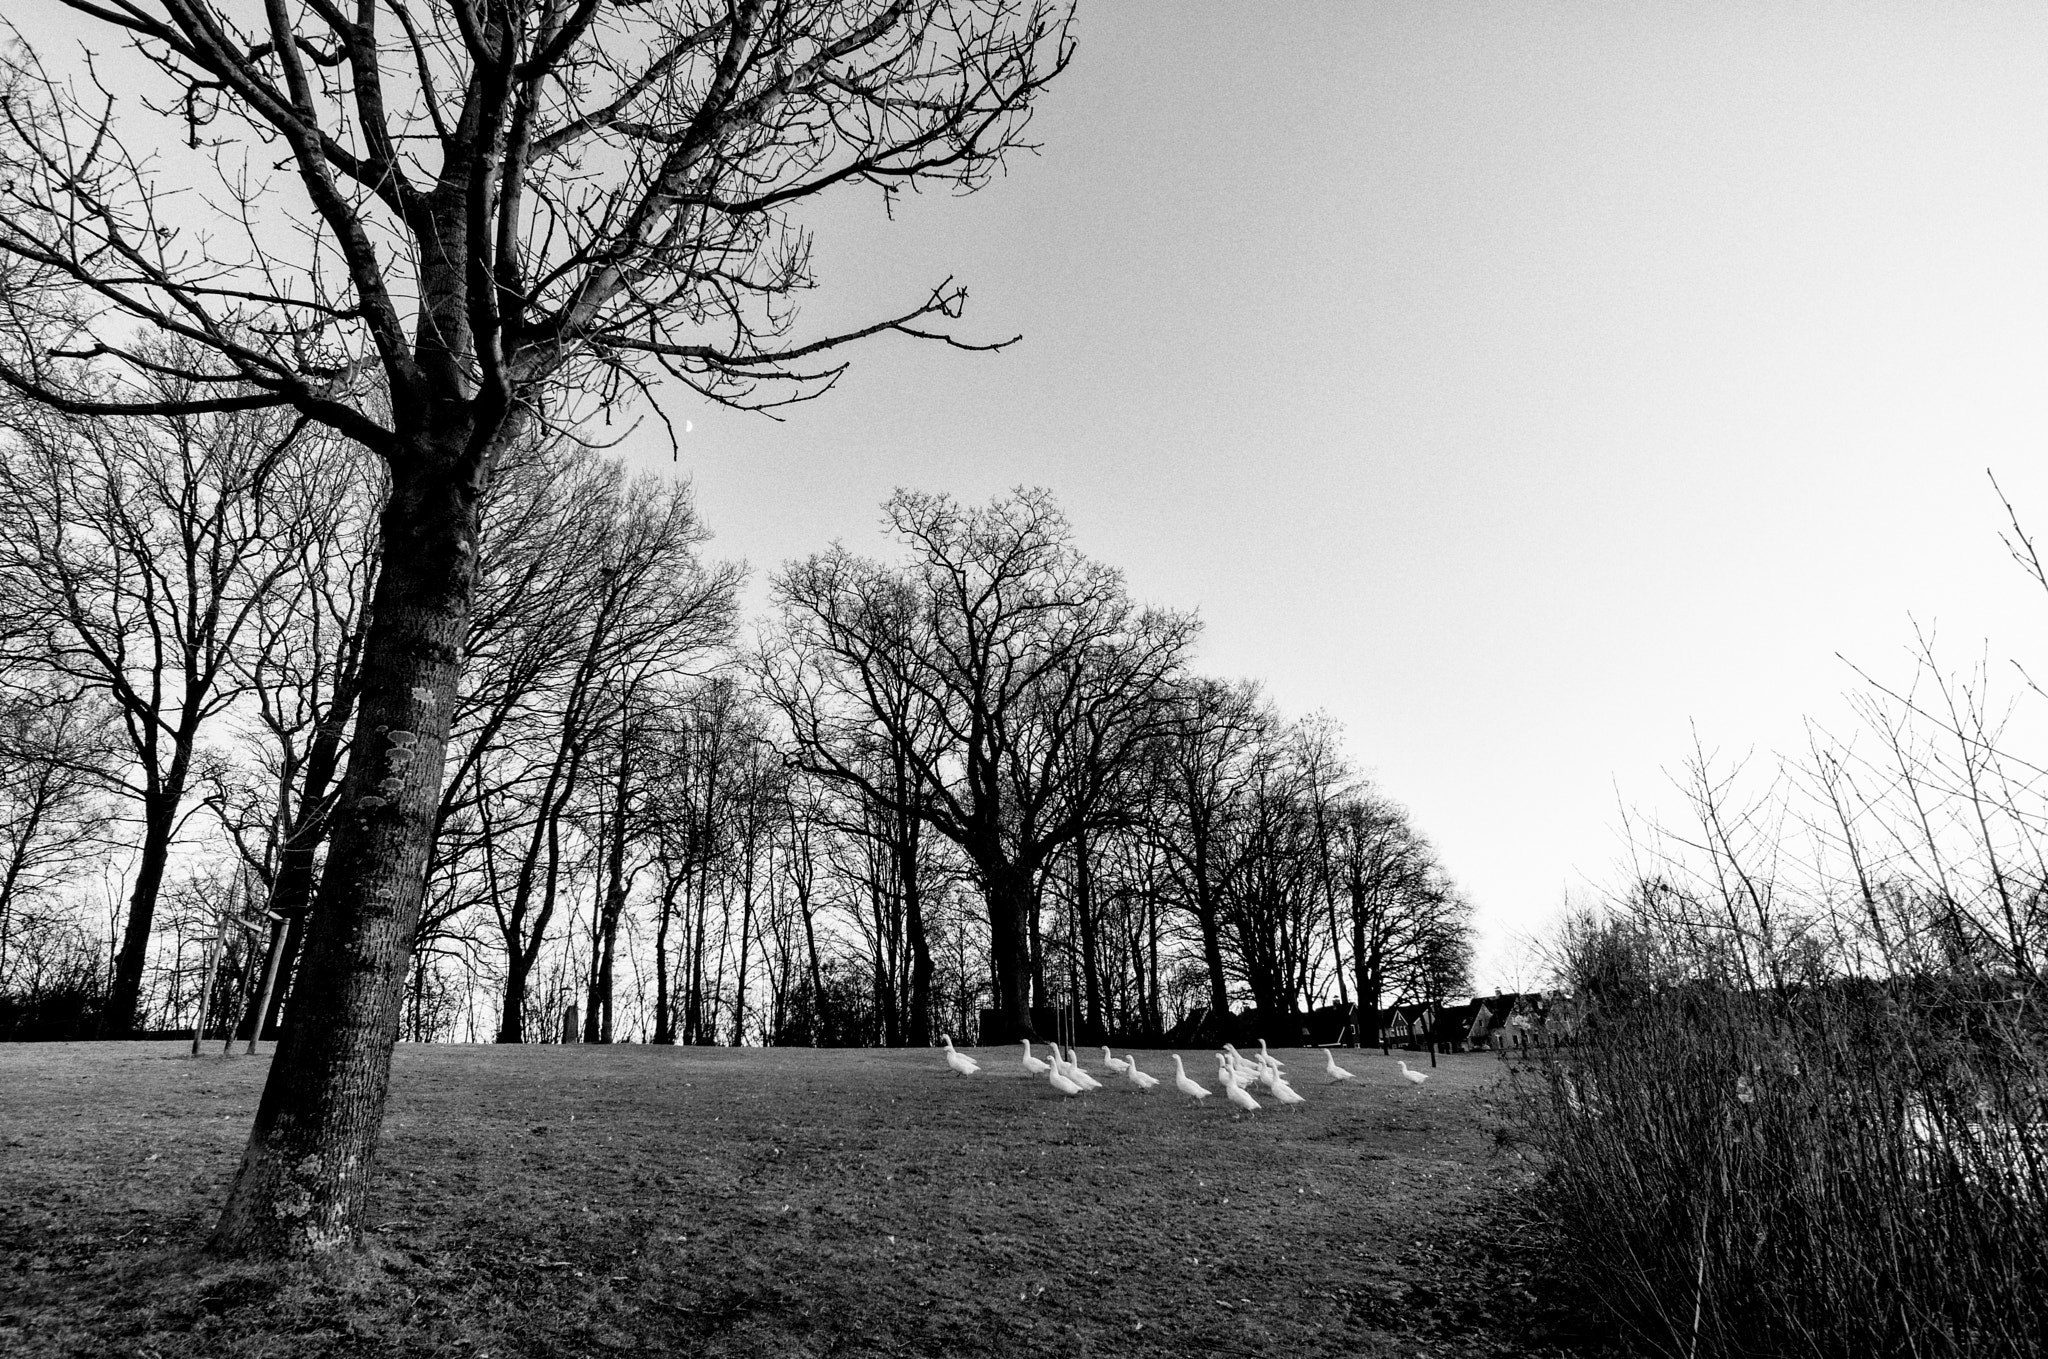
(1329, 1026)
(1456, 1025)
(1494, 1023)
(1402, 1025)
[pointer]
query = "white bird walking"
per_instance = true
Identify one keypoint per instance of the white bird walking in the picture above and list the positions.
(959, 1061)
(1112, 1061)
(1332, 1070)
(1060, 1083)
(1416, 1077)
(1033, 1064)
(1137, 1077)
(1239, 1067)
(1187, 1087)
(1284, 1092)
(1077, 1075)
(1269, 1071)
(1269, 1056)
(1238, 1095)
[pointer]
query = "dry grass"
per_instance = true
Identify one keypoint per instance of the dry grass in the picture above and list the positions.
(633, 1200)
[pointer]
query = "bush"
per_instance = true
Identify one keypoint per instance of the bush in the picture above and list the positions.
(65, 1012)
(1852, 1168)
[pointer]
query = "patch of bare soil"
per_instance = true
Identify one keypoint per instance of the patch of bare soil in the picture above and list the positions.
(551, 1201)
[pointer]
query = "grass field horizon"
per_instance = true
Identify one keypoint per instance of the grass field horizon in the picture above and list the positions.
(550, 1200)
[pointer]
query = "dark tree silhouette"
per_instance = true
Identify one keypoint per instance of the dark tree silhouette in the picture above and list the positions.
(481, 211)
(1013, 677)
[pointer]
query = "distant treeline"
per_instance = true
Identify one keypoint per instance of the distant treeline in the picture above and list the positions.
(974, 775)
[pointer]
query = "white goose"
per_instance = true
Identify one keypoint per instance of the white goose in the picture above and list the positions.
(1268, 1072)
(1239, 1067)
(1332, 1070)
(1269, 1056)
(1113, 1062)
(1137, 1077)
(1236, 1093)
(1076, 1074)
(1059, 1081)
(1413, 1077)
(1033, 1064)
(959, 1061)
(1186, 1086)
(1284, 1092)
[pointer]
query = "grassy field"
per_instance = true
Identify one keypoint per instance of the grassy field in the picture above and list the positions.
(679, 1201)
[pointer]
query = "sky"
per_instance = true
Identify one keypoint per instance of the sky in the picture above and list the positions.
(1524, 386)
(1527, 386)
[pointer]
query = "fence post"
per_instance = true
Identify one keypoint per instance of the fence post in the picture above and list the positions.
(277, 930)
(205, 992)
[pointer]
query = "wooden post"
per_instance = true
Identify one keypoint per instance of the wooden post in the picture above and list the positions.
(277, 931)
(248, 928)
(205, 992)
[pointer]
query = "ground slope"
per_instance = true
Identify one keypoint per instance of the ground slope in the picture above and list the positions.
(634, 1200)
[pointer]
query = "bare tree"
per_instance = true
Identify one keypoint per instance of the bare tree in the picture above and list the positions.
(624, 604)
(53, 772)
(1269, 896)
(1202, 762)
(134, 554)
(1393, 888)
(302, 667)
(1013, 676)
(497, 206)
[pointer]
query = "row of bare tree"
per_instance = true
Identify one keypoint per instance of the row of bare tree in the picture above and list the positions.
(974, 775)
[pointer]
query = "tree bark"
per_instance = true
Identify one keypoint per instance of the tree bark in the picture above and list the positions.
(739, 1009)
(522, 949)
(124, 999)
(1084, 915)
(305, 1173)
(1011, 916)
(1212, 933)
(615, 889)
(664, 1004)
(919, 1020)
(821, 1015)
(910, 876)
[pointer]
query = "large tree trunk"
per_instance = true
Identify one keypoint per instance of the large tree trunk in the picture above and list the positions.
(739, 1009)
(884, 908)
(604, 975)
(522, 949)
(160, 816)
(1212, 949)
(821, 1014)
(512, 1004)
(664, 1006)
(1084, 915)
(615, 889)
(910, 874)
(1156, 1015)
(919, 1020)
(305, 1173)
(1010, 913)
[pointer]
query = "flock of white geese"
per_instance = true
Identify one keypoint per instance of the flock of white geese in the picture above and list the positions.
(1234, 1071)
